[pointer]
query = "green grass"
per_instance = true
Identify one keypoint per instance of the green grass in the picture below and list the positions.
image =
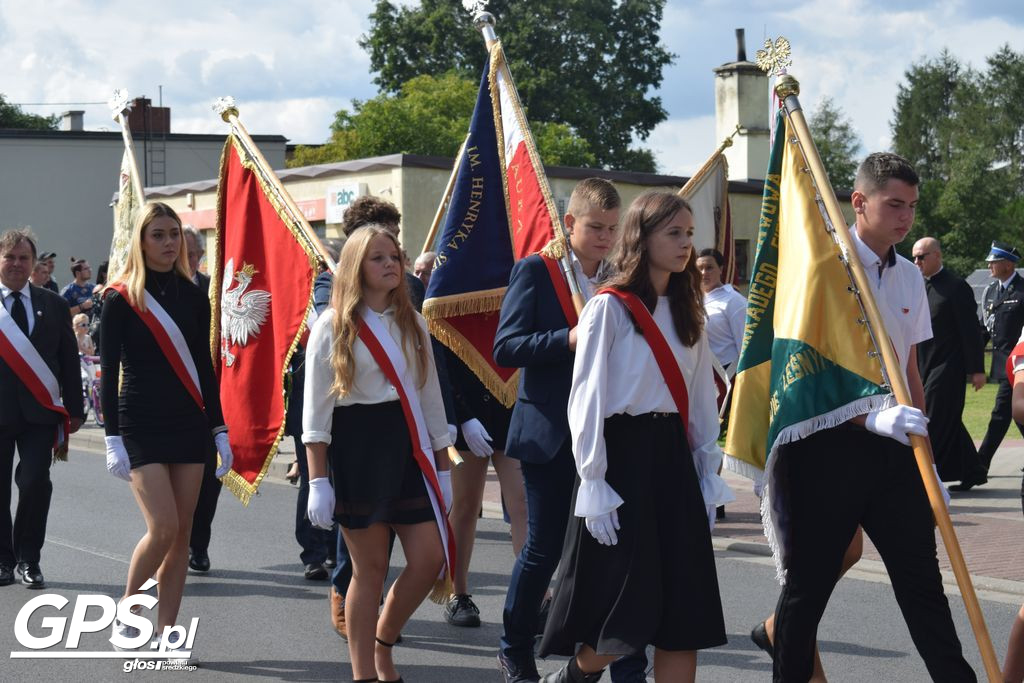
(978, 409)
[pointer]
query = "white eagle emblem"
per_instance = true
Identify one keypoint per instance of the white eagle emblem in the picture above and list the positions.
(242, 313)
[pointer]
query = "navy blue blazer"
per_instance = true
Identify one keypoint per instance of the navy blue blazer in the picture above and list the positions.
(533, 335)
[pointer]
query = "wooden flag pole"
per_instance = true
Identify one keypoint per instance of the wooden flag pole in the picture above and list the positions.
(788, 89)
(443, 206)
(225, 106)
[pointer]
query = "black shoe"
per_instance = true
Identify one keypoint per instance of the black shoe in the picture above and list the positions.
(6, 575)
(518, 671)
(330, 563)
(31, 575)
(315, 572)
(571, 673)
(198, 561)
(542, 616)
(462, 611)
(759, 635)
(969, 483)
(720, 513)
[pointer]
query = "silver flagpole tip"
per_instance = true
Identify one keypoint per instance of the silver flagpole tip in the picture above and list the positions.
(482, 19)
(119, 103)
(225, 106)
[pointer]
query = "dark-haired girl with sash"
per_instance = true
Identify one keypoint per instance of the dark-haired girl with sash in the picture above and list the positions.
(638, 567)
(372, 410)
(164, 421)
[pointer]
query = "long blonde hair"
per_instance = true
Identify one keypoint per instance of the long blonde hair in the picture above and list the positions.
(133, 273)
(347, 300)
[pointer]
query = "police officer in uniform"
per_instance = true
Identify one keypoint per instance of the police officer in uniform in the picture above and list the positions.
(1003, 310)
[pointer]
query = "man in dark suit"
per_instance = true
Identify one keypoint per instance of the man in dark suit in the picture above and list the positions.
(209, 491)
(25, 423)
(535, 335)
(945, 361)
(1003, 310)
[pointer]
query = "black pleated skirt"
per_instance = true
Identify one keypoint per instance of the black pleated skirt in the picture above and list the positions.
(376, 479)
(658, 584)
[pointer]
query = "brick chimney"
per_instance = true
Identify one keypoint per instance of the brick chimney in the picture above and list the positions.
(144, 118)
(72, 120)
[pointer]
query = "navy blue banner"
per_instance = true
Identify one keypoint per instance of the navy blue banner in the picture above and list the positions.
(474, 251)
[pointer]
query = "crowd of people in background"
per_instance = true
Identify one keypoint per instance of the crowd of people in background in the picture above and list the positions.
(608, 461)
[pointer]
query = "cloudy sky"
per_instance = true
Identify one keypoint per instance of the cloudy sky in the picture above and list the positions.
(291, 65)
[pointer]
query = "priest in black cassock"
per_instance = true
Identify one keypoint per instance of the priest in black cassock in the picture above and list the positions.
(945, 361)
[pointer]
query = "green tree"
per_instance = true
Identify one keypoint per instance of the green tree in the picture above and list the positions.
(960, 137)
(589, 64)
(837, 143)
(11, 116)
(428, 116)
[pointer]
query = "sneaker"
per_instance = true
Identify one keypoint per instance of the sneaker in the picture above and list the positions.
(514, 671)
(125, 631)
(461, 611)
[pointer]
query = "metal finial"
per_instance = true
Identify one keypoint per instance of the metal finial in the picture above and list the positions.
(119, 103)
(225, 106)
(474, 7)
(482, 19)
(774, 57)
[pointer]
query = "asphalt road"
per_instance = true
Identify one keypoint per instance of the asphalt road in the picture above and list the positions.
(258, 617)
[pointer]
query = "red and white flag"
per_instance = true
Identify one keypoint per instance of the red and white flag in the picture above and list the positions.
(262, 283)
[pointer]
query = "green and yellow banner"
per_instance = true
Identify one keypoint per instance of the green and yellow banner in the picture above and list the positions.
(806, 363)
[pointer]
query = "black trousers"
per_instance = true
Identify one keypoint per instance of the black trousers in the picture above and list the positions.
(206, 507)
(22, 539)
(832, 482)
(998, 423)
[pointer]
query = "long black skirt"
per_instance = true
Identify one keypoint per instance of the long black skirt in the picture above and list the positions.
(658, 584)
(376, 479)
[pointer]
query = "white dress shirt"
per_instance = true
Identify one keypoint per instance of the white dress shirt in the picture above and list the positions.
(727, 314)
(901, 297)
(587, 284)
(369, 383)
(26, 299)
(615, 372)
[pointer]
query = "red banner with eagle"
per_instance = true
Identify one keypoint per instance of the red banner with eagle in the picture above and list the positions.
(262, 282)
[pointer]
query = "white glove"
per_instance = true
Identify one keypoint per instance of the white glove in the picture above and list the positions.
(603, 527)
(453, 432)
(477, 438)
(945, 491)
(320, 507)
(444, 479)
(897, 422)
(226, 458)
(117, 458)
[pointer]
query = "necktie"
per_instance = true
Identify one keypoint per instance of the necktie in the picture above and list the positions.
(18, 312)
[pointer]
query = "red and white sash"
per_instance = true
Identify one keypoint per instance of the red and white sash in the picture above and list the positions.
(169, 338)
(561, 290)
(666, 360)
(1015, 356)
(392, 362)
(18, 352)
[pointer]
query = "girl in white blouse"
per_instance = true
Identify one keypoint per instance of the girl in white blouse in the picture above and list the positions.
(638, 563)
(353, 419)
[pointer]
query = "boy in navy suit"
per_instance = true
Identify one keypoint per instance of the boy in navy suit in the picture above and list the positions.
(536, 333)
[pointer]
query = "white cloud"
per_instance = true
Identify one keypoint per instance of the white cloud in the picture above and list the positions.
(681, 146)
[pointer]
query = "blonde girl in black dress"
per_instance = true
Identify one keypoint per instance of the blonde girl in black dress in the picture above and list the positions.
(157, 434)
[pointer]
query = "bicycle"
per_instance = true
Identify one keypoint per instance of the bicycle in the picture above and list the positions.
(90, 366)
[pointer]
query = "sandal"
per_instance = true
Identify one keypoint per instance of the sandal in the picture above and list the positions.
(293, 473)
(389, 646)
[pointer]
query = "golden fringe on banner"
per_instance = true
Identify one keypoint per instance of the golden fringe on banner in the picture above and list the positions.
(453, 339)
(233, 481)
(443, 589)
(485, 301)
